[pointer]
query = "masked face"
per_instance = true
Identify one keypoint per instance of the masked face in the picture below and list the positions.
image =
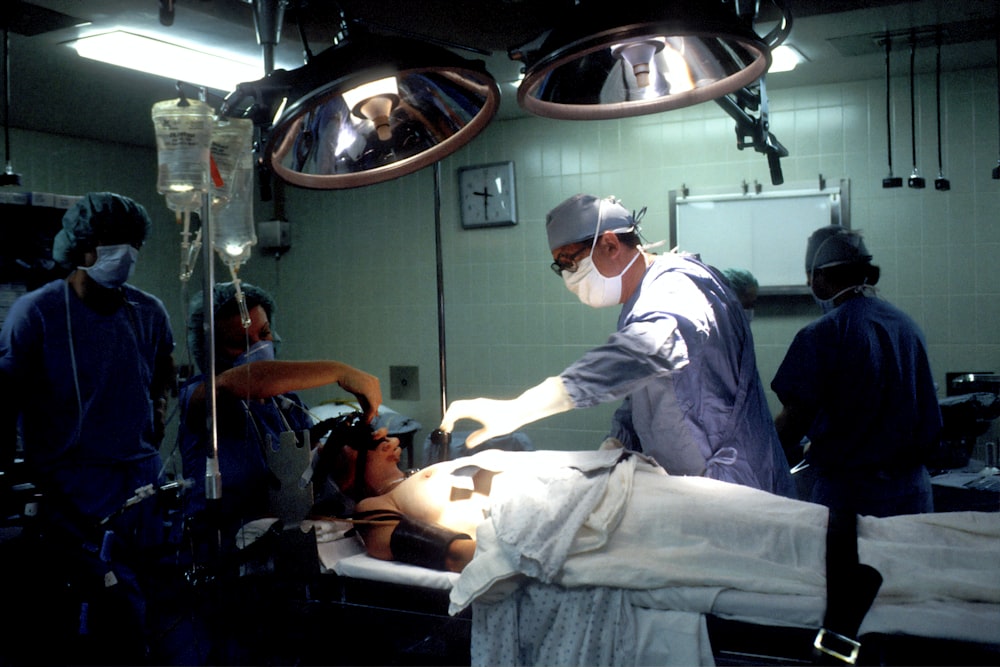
(114, 266)
(262, 350)
(592, 288)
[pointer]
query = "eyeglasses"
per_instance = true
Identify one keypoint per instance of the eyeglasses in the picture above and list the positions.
(568, 264)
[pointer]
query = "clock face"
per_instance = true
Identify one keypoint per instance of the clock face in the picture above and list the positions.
(486, 195)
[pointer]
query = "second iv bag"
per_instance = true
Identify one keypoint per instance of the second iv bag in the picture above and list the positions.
(233, 229)
(233, 232)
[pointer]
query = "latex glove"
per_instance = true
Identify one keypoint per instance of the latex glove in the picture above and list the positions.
(500, 417)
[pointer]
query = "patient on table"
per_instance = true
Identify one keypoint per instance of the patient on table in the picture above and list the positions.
(614, 518)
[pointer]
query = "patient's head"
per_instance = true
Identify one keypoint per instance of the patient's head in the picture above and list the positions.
(371, 472)
(356, 462)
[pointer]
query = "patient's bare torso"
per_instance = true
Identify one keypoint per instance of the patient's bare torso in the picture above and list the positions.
(435, 495)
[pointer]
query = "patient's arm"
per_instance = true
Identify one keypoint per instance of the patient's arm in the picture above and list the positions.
(378, 537)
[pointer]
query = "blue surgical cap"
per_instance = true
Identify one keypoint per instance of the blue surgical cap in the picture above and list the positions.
(99, 218)
(833, 245)
(222, 293)
(581, 217)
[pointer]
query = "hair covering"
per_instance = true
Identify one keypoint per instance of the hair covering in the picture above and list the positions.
(581, 216)
(833, 245)
(222, 294)
(99, 218)
(740, 279)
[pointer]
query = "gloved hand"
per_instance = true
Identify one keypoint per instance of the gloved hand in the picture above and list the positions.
(500, 417)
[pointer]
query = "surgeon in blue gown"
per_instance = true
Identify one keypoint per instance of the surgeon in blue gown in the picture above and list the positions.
(86, 361)
(857, 383)
(682, 359)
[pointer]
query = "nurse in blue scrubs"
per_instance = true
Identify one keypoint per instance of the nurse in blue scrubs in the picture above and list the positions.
(682, 359)
(86, 367)
(857, 384)
(257, 401)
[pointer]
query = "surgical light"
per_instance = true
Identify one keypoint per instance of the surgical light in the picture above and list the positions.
(173, 61)
(785, 58)
(643, 57)
(337, 131)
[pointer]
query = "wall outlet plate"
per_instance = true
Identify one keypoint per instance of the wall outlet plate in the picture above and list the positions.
(404, 383)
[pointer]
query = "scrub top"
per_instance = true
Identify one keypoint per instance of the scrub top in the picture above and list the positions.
(87, 417)
(862, 371)
(683, 361)
(246, 429)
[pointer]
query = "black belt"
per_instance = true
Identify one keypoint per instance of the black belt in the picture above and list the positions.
(851, 588)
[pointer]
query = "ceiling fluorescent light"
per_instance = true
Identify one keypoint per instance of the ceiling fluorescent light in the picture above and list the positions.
(154, 56)
(785, 58)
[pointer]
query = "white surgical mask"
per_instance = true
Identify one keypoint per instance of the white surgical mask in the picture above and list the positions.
(591, 287)
(262, 350)
(114, 266)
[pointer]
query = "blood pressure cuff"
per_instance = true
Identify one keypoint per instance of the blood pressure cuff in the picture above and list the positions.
(421, 543)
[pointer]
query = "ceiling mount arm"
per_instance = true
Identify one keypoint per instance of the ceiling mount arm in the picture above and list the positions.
(755, 132)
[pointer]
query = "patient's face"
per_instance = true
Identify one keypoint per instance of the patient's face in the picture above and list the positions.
(381, 466)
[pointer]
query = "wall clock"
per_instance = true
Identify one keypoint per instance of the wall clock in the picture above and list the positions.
(486, 195)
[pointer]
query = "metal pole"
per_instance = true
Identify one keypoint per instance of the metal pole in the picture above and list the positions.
(440, 439)
(213, 475)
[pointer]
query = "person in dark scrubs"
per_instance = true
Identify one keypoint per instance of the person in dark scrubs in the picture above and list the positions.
(857, 384)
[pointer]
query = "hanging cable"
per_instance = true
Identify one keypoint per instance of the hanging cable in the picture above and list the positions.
(915, 180)
(8, 177)
(940, 183)
(889, 181)
(996, 169)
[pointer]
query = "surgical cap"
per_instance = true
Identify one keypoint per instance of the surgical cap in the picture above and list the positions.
(576, 219)
(99, 218)
(222, 294)
(833, 245)
(740, 279)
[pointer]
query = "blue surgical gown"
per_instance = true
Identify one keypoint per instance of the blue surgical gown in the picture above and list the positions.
(683, 361)
(95, 454)
(862, 371)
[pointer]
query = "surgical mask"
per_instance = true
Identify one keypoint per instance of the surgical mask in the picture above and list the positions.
(826, 305)
(591, 287)
(749, 313)
(262, 350)
(114, 266)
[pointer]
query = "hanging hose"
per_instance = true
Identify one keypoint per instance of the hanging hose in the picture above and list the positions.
(8, 177)
(889, 181)
(915, 180)
(940, 183)
(996, 169)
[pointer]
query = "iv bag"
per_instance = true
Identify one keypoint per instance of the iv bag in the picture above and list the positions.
(232, 142)
(233, 229)
(183, 136)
